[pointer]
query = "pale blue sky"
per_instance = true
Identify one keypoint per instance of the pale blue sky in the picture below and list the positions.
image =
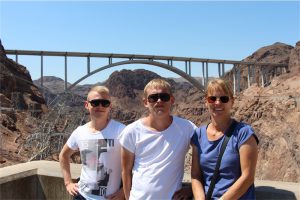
(220, 30)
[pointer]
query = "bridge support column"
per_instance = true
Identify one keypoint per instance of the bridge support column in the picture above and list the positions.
(221, 69)
(204, 74)
(17, 58)
(236, 79)
(262, 73)
(190, 68)
(170, 62)
(249, 75)
(88, 64)
(66, 73)
(42, 73)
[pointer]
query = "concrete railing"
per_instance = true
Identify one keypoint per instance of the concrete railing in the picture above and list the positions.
(35, 180)
(43, 180)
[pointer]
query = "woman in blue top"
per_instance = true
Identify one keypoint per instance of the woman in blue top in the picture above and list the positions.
(237, 170)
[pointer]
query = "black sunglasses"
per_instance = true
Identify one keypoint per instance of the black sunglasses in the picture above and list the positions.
(96, 102)
(213, 99)
(165, 97)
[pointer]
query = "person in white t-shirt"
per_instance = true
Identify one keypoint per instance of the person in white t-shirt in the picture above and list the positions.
(100, 152)
(154, 148)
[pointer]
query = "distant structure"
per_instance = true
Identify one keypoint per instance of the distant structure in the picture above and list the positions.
(165, 62)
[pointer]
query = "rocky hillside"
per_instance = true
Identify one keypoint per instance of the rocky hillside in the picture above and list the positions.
(274, 112)
(20, 100)
(54, 85)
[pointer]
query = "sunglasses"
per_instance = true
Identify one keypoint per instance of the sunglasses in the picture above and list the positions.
(213, 99)
(96, 102)
(165, 97)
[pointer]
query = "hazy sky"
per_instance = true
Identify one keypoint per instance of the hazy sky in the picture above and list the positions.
(220, 30)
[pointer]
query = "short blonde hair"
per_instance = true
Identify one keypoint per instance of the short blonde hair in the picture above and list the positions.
(219, 84)
(157, 83)
(99, 89)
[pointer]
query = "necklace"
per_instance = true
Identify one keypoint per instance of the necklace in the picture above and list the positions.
(215, 132)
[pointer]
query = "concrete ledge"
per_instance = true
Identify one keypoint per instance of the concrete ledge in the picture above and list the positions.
(43, 167)
(43, 180)
(35, 180)
(277, 190)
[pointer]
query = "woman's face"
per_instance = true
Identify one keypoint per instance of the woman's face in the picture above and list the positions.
(219, 103)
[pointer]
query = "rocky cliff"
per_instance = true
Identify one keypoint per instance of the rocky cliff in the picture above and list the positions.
(274, 112)
(19, 98)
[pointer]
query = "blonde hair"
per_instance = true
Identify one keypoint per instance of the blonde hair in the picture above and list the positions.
(157, 83)
(99, 89)
(219, 84)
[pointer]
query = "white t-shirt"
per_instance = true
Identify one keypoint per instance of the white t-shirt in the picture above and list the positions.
(159, 158)
(101, 159)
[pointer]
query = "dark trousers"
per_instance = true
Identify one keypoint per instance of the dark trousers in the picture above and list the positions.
(78, 196)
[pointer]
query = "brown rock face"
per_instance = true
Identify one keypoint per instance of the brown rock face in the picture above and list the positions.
(125, 82)
(18, 96)
(294, 62)
(274, 113)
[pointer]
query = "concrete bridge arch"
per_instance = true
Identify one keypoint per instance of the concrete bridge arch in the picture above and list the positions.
(189, 78)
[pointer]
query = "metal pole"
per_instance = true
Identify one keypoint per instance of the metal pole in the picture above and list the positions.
(219, 69)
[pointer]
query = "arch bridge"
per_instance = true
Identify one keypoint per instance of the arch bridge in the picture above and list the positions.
(165, 62)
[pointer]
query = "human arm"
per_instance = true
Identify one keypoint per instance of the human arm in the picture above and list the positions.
(196, 175)
(184, 193)
(118, 195)
(127, 160)
(248, 158)
(64, 160)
